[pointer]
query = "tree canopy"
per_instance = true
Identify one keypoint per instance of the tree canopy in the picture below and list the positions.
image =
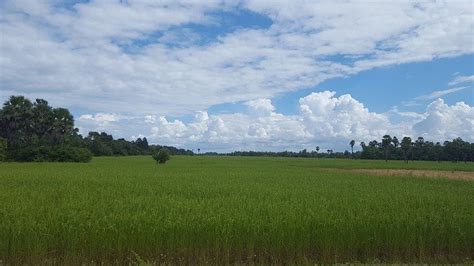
(38, 132)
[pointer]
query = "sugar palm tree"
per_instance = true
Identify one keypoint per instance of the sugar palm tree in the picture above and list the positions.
(352, 143)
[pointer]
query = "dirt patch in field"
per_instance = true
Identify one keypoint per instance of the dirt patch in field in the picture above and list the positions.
(459, 175)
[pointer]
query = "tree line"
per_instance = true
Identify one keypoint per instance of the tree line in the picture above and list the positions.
(389, 148)
(35, 131)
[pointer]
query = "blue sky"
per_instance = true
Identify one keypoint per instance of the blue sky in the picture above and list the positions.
(383, 88)
(248, 74)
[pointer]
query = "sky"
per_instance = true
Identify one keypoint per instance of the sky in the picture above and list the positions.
(266, 75)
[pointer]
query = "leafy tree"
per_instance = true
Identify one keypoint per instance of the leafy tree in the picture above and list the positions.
(419, 146)
(161, 156)
(142, 143)
(438, 151)
(386, 144)
(457, 150)
(406, 147)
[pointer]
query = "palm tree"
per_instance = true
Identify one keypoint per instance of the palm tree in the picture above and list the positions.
(352, 143)
(317, 150)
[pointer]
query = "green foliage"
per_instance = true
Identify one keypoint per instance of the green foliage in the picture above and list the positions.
(232, 210)
(38, 132)
(71, 154)
(420, 150)
(3, 149)
(161, 156)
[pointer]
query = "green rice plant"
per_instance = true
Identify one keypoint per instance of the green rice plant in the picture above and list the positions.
(225, 210)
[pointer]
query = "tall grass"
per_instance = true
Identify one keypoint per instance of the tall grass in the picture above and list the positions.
(230, 210)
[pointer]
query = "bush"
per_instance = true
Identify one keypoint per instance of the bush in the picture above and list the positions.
(51, 154)
(3, 149)
(70, 154)
(161, 156)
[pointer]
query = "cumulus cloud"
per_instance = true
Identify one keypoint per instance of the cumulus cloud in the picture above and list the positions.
(443, 122)
(324, 119)
(330, 117)
(261, 106)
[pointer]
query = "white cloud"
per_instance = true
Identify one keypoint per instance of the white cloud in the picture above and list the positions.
(100, 118)
(343, 117)
(261, 106)
(445, 122)
(461, 79)
(120, 57)
(324, 120)
(138, 61)
(438, 94)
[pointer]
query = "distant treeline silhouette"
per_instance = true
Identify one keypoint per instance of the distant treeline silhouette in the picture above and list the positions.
(38, 132)
(387, 149)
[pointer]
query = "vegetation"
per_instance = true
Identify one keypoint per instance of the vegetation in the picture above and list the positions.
(388, 149)
(161, 156)
(391, 148)
(220, 210)
(3, 149)
(38, 132)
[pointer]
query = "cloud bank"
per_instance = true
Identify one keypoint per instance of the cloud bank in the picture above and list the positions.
(324, 119)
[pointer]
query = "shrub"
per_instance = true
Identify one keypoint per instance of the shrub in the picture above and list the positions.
(70, 154)
(51, 154)
(161, 156)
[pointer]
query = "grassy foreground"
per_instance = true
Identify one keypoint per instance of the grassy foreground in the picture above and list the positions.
(231, 210)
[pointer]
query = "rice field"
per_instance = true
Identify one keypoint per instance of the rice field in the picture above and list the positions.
(233, 210)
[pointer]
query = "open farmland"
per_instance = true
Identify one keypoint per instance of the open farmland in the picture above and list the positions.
(233, 210)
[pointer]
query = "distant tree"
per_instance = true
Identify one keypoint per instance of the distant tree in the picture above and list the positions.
(199, 150)
(304, 153)
(395, 142)
(457, 150)
(347, 154)
(438, 151)
(406, 147)
(419, 146)
(386, 143)
(142, 143)
(161, 156)
(352, 143)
